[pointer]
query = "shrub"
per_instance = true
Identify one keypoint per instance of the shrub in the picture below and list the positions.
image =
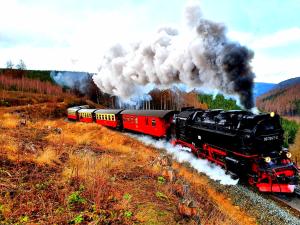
(127, 197)
(75, 199)
(290, 130)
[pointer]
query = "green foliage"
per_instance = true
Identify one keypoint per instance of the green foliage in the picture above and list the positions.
(219, 102)
(127, 197)
(161, 195)
(75, 198)
(77, 219)
(290, 130)
(161, 180)
(128, 214)
(297, 110)
(39, 75)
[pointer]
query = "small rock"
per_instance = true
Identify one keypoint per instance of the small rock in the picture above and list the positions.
(57, 130)
(22, 122)
(181, 190)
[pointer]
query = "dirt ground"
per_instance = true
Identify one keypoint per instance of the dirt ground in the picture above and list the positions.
(57, 172)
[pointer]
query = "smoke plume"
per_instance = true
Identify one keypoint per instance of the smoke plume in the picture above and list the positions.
(201, 57)
(182, 154)
(74, 80)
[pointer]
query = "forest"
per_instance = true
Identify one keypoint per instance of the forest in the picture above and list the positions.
(284, 101)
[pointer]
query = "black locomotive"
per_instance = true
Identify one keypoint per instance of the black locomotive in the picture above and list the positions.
(246, 144)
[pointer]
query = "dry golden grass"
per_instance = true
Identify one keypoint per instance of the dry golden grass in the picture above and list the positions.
(48, 156)
(8, 121)
(109, 165)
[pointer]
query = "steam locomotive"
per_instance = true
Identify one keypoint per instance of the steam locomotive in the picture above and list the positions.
(246, 145)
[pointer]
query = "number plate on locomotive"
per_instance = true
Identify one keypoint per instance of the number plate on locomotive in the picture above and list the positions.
(271, 138)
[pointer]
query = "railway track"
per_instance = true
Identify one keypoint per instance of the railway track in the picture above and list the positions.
(292, 201)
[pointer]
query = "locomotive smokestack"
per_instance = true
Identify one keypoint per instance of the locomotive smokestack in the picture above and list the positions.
(203, 58)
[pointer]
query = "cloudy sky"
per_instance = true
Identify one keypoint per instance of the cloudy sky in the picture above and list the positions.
(74, 34)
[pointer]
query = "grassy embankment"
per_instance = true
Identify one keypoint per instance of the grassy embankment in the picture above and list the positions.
(53, 171)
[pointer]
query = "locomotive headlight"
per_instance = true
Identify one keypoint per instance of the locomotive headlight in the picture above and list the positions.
(288, 155)
(267, 159)
(272, 114)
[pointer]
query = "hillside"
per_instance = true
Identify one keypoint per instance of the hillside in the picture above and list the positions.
(76, 173)
(284, 98)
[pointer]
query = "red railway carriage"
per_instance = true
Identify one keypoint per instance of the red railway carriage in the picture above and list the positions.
(109, 117)
(73, 112)
(86, 115)
(152, 122)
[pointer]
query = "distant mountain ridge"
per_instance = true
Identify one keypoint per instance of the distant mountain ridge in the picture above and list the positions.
(287, 83)
(261, 88)
(283, 98)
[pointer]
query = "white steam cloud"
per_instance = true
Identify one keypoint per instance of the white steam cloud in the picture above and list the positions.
(182, 154)
(201, 57)
(77, 80)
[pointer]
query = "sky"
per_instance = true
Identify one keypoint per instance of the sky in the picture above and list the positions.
(75, 34)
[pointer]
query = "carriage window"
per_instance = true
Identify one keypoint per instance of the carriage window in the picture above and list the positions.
(113, 117)
(153, 123)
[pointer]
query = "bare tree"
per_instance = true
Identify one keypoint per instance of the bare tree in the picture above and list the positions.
(21, 65)
(9, 64)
